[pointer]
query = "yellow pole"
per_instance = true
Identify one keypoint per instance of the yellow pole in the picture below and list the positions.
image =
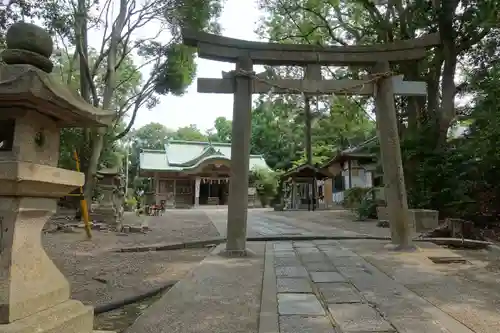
(83, 202)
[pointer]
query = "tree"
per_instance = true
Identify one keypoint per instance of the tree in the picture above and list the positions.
(172, 64)
(469, 40)
(265, 182)
(151, 136)
(223, 127)
(189, 133)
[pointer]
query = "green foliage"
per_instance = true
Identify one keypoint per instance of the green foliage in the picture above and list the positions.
(130, 204)
(265, 182)
(360, 201)
(457, 176)
(223, 130)
(278, 129)
(353, 196)
(177, 72)
(195, 14)
(367, 208)
(189, 133)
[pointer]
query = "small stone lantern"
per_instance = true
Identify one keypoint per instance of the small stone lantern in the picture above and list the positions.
(34, 106)
(108, 183)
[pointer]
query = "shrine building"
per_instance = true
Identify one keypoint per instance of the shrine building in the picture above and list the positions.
(192, 173)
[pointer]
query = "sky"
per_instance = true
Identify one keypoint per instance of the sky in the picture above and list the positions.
(238, 20)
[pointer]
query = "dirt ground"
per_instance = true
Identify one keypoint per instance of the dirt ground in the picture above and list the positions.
(125, 274)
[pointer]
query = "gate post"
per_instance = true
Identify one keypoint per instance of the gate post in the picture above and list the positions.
(240, 154)
(395, 191)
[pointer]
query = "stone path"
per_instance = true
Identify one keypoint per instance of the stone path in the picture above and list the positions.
(321, 286)
(305, 286)
(259, 223)
(336, 219)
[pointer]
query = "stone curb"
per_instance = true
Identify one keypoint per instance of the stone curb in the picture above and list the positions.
(216, 241)
(172, 246)
(115, 304)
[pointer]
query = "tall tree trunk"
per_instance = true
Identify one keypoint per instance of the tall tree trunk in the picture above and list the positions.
(98, 134)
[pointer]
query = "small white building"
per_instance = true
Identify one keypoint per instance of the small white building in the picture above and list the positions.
(355, 167)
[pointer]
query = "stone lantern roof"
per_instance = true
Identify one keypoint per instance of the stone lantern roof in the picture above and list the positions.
(26, 82)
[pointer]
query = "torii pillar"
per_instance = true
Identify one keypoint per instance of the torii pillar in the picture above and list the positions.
(390, 150)
(240, 156)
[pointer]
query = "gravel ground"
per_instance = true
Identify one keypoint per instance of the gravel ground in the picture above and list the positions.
(125, 274)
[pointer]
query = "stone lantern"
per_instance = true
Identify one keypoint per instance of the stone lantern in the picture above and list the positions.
(34, 106)
(107, 210)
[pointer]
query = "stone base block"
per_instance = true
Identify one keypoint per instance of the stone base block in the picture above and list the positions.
(419, 219)
(68, 317)
(424, 219)
(106, 215)
(398, 248)
(236, 253)
(382, 214)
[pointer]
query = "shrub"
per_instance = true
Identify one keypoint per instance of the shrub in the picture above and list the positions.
(266, 184)
(353, 196)
(360, 201)
(130, 204)
(367, 208)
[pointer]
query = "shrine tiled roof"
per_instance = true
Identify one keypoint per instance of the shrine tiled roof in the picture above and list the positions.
(362, 151)
(180, 155)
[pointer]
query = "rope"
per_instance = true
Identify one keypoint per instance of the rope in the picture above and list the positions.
(374, 78)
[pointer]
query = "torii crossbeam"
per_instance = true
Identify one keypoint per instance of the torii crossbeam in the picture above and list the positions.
(311, 87)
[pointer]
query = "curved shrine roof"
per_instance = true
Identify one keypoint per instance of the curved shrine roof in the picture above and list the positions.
(180, 155)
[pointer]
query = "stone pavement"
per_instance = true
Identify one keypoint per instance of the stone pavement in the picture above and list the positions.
(259, 223)
(306, 286)
(264, 222)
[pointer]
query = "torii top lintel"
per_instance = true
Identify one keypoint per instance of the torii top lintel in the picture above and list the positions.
(219, 48)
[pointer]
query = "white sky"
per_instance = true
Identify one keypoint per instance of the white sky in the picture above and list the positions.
(238, 20)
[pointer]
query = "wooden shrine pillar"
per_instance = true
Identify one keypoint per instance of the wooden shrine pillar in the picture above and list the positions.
(395, 191)
(240, 155)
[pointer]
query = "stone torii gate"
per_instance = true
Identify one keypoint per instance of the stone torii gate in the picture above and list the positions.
(243, 82)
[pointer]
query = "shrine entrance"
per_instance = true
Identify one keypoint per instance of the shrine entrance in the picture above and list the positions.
(214, 191)
(381, 83)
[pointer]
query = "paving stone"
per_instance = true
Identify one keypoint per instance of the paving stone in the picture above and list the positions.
(294, 285)
(291, 271)
(312, 257)
(367, 280)
(320, 266)
(419, 325)
(305, 324)
(283, 246)
(284, 254)
(301, 250)
(396, 301)
(327, 277)
(336, 252)
(330, 242)
(299, 304)
(347, 261)
(286, 261)
(339, 293)
(304, 244)
(357, 318)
